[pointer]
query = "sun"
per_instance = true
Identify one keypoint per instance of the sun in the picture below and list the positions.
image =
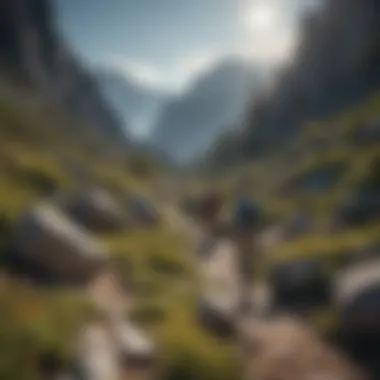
(262, 17)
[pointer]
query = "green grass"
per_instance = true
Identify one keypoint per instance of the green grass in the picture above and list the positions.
(265, 177)
(333, 247)
(166, 294)
(35, 148)
(34, 325)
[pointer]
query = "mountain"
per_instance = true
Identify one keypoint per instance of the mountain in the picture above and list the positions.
(136, 104)
(34, 56)
(309, 152)
(336, 66)
(187, 125)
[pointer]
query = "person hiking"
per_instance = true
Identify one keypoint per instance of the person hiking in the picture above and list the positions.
(209, 210)
(244, 225)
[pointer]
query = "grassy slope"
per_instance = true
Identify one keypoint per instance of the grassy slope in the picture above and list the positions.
(36, 153)
(267, 177)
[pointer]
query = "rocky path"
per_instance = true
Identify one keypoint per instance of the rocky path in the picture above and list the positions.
(218, 268)
(271, 348)
(102, 344)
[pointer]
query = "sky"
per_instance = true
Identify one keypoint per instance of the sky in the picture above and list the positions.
(165, 44)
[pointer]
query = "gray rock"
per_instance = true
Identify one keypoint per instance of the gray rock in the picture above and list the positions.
(135, 349)
(217, 314)
(357, 296)
(47, 237)
(300, 285)
(96, 356)
(143, 211)
(96, 210)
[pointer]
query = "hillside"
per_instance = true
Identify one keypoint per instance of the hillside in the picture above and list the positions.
(39, 160)
(49, 148)
(34, 56)
(323, 188)
(309, 150)
(336, 66)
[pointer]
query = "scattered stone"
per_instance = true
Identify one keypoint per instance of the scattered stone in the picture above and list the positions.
(357, 302)
(357, 297)
(135, 349)
(96, 355)
(96, 210)
(217, 314)
(359, 209)
(143, 212)
(300, 285)
(46, 237)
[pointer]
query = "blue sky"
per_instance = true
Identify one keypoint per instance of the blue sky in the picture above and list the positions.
(166, 43)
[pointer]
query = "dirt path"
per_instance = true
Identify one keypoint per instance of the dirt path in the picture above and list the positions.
(218, 269)
(97, 353)
(99, 344)
(277, 348)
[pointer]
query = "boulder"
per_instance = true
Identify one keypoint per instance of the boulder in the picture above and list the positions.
(143, 211)
(217, 314)
(96, 354)
(359, 209)
(46, 237)
(357, 302)
(135, 349)
(96, 210)
(300, 285)
(357, 297)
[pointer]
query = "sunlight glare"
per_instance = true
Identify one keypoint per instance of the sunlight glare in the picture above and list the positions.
(262, 17)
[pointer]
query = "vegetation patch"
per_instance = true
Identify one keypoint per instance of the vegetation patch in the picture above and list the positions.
(36, 326)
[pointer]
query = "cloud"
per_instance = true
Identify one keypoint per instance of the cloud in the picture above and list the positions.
(175, 77)
(267, 36)
(142, 72)
(194, 64)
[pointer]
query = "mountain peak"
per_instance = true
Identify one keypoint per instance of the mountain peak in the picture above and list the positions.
(189, 124)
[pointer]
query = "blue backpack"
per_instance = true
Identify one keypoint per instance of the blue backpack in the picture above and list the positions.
(247, 214)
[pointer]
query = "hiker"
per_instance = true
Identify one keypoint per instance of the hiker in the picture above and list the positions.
(209, 209)
(245, 224)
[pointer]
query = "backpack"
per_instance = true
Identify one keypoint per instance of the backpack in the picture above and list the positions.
(247, 214)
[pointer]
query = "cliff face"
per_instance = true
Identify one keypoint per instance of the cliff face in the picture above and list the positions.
(337, 64)
(33, 54)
